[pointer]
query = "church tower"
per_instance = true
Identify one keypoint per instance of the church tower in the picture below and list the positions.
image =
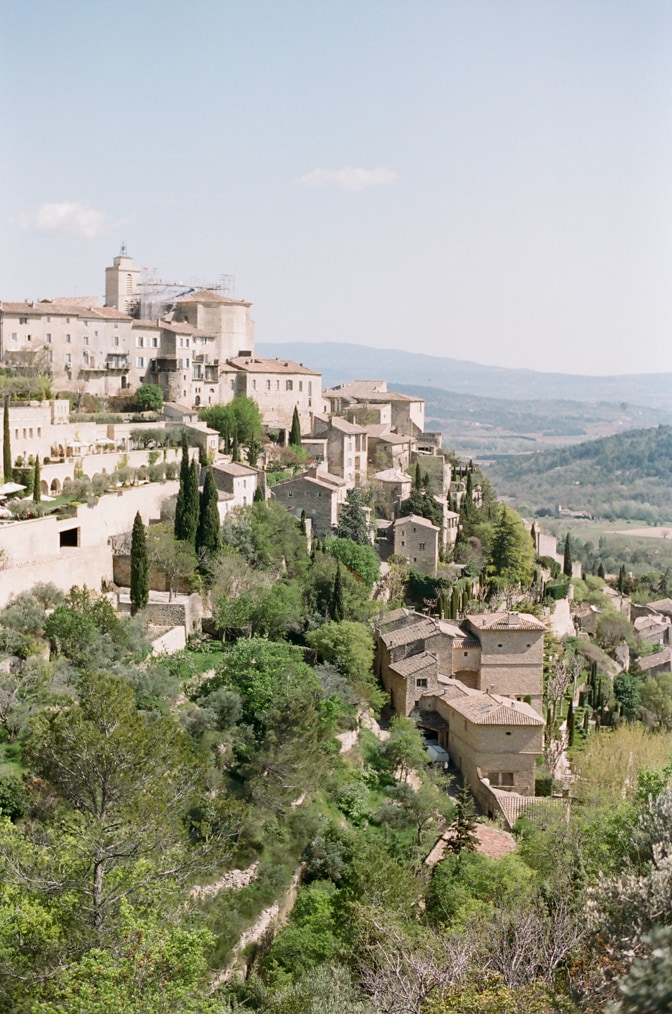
(122, 283)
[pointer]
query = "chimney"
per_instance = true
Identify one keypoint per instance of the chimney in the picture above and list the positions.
(512, 620)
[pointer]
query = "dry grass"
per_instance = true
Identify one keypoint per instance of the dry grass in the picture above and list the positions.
(607, 768)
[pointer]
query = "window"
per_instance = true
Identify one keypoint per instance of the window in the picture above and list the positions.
(30, 432)
(180, 343)
(39, 431)
(254, 385)
(289, 385)
(277, 385)
(85, 358)
(67, 320)
(140, 361)
(23, 320)
(232, 385)
(47, 338)
(466, 654)
(421, 682)
(154, 342)
(115, 341)
(421, 545)
(140, 341)
(268, 385)
(85, 339)
(48, 320)
(500, 645)
(186, 343)
(507, 778)
(68, 339)
(68, 358)
(15, 336)
(310, 387)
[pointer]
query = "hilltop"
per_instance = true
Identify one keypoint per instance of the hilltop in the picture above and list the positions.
(340, 362)
(627, 475)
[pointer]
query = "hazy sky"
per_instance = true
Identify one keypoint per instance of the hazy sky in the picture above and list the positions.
(484, 180)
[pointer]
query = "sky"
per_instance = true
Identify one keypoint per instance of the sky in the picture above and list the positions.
(483, 180)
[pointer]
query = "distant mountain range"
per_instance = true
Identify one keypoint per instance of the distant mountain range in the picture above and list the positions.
(341, 362)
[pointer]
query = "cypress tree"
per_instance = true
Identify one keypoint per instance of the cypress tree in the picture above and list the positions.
(418, 477)
(37, 492)
(336, 604)
(208, 533)
(6, 445)
(463, 827)
(139, 566)
(258, 495)
(570, 724)
(181, 527)
(600, 570)
(295, 432)
(567, 558)
(235, 449)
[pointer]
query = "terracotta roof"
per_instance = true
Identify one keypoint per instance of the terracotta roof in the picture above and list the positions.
(49, 309)
(357, 389)
(392, 438)
(647, 662)
(392, 617)
(413, 632)
(346, 427)
(209, 296)
(416, 520)
(253, 364)
(407, 666)
(331, 483)
(493, 709)
(662, 606)
(234, 468)
(505, 621)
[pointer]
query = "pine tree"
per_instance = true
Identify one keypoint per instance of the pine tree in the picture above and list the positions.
(7, 470)
(139, 566)
(567, 558)
(352, 520)
(37, 491)
(463, 827)
(295, 432)
(208, 533)
(336, 604)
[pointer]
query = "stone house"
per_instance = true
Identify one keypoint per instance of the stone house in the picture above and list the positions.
(346, 447)
(659, 662)
(417, 539)
(318, 493)
(240, 481)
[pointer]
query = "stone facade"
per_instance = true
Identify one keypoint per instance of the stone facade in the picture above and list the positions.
(417, 539)
(319, 494)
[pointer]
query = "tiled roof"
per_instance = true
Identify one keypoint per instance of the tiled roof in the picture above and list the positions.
(493, 709)
(346, 427)
(253, 364)
(413, 632)
(415, 520)
(209, 296)
(357, 389)
(647, 662)
(505, 621)
(662, 605)
(393, 475)
(49, 309)
(329, 483)
(234, 468)
(407, 666)
(391, 438)
(392, 617)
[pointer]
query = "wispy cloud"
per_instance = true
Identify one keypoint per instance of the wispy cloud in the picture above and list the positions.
(75, 217)
(349, 179)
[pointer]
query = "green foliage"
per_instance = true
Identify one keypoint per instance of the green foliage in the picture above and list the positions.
(656, 701)
(422, 503)
(567, 557)
(187, 506)
(404, 750)
(467, 885)
(295, 432)
(176, 559)
(511, 555)
(149, 397)
(352, 523)
(489, 994)
(139, 565)
(154, 968)
(7, 471)
(264, 673)
(208, 534)
(360, 558)
(239, 421)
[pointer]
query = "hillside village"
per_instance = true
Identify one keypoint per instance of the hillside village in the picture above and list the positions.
(379, 579)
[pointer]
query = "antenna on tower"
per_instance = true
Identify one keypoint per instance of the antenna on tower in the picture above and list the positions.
(122, 252)
(228, 284)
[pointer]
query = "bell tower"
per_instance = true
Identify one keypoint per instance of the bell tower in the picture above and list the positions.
(122, 282)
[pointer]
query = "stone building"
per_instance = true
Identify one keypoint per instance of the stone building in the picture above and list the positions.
(417, 539)
(316, 492)
(346, 448)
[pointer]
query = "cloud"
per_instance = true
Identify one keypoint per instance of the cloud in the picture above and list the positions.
(349, 179)
(75, 217)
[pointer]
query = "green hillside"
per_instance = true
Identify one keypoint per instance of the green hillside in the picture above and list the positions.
(628, 475)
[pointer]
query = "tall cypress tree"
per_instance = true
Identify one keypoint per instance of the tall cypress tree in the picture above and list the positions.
(570, 724)
(418, 477)
(336, 604)
(37, 492)
(7, 470)
(208, 533)
(180, 527)
(295, 432)
(463, 826)
(139, 566)
(192, 503)
(567, 557)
